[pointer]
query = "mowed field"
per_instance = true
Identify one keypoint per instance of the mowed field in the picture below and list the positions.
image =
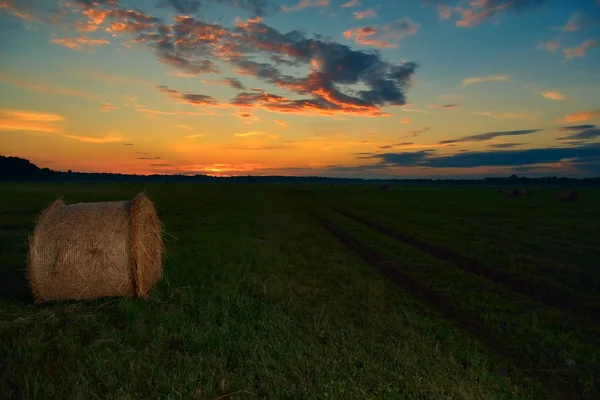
(321, 292)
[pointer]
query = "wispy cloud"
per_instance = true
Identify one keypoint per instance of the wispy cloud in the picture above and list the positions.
(186, 127)
(32, 121)
(197, 135)
(475, 12)
(580, 132)
(581, 116)
(482, 79)
(350, 4)
(482, 137)
(33, 84)
(552, 95)
(80, 43)
(105, 107)
(305, 4)
(551, 46)
(405, 120)
(446, 106)
(383, 36)
(96, 140)
(44, 122)
(364, 14)
(281, 123)
(507, 115)
(579, 51)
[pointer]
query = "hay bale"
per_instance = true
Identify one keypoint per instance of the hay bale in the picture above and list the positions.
(512, 193)
(569, 195)
(91, 250)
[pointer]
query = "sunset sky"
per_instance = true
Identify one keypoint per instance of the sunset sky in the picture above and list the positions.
(349, 88)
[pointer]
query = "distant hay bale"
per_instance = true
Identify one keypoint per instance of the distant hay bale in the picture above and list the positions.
(512, 193)
(91, 250)
(569, 195)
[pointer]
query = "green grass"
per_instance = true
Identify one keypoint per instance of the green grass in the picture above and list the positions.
(258, 300)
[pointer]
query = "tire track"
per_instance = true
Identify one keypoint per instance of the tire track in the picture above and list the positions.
(551, 296)
(440, 304)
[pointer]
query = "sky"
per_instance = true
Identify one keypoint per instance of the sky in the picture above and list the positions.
(343, 88)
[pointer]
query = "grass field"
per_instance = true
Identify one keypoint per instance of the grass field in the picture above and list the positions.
(321, 292)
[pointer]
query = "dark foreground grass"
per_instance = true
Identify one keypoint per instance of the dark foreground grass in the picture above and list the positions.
(257, 301)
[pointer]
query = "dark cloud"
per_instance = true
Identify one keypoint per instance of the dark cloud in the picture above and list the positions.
(496, 158)
(417, 132)
(161, 165)
(187, 7)
(489, 135)
(580, 132)
(127, 144)
(339, 80)
(149, 158)
(189, 98)
(235, 83)
(504, 145)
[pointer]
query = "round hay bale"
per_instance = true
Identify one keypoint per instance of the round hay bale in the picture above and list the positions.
(91, 250)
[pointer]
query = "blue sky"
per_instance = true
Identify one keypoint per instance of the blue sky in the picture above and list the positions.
(437, 88)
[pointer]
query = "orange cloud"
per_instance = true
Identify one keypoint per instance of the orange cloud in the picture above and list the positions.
(96, 140)
(281, 123)
(186, 127)
(364, 14)
(552, 95)
(481, 79)
(580, 51)
(79, 43)
(405, 120)
(581, 116)
(105, 107)
(383, 36)
(351, 3)
(305, 4)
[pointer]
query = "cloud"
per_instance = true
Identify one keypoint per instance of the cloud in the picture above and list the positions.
(350, 3)
(481, 137)
(446, 106)
(339, 80)
(32, 121)
(281, 123)
(383, 36)
(405, 121)
(35, 121)
(481, 79)
(417, 132)
(476, 11)
(95, 140)
(127, 144)
(105, 107)
(188, 7)
(234, 83)
(194, 136)
(149, 158)
(186, 127)
(305, 4)
(580, 132)
(494, 158)
(581, 116)
(415, 111)
(551, 46)
(504, 145)
(31, 83)
(580, 50)
(508, 115)
(79, 43)
(578, 21)
(364, 14)
(552, 95)
(256, 133)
